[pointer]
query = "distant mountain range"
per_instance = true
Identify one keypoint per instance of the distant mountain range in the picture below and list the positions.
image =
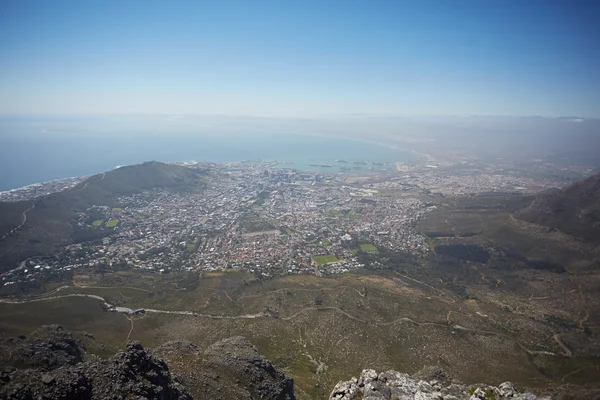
(574, 210)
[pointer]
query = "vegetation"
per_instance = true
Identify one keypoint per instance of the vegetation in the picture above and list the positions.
(112, 223)
(325, 259)
(254, 223)
(369, 248)
(97, 223)
(192, 245)
(574, 210)
(261, 198)
(341, 343)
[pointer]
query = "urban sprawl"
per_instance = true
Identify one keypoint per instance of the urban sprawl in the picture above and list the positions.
(265, 219)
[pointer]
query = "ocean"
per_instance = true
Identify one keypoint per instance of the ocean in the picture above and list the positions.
(32, 157)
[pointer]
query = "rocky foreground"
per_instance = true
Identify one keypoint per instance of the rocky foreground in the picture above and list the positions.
(398, 386)
(52, 364)
(433, 383)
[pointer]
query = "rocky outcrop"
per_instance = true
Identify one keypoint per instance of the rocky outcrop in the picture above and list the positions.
(238, 358)
(52, 364)
(56, 370)
(229, 369)
(432, 384)
(47, 348)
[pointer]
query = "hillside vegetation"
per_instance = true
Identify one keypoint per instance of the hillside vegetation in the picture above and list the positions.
(574, 210)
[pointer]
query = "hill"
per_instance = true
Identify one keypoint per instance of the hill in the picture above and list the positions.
(574, 210)
(51, 221)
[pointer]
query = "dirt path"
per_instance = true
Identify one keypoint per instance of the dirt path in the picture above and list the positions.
(566, 352)
(129, 311)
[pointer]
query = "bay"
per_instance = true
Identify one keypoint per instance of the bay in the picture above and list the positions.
(31, 158)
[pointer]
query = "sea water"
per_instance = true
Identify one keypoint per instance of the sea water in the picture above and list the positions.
(31, 157)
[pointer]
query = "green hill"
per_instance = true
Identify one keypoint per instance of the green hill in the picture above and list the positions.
(105, 188)
(50, 224)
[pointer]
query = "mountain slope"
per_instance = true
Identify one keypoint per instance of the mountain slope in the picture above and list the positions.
(574, 210)
(104, 188)
(51, 220)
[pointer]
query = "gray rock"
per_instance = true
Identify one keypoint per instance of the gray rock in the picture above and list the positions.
(368, 375)
(506, 389)
(478, 394)
(133, 373)
(376, 390)
(429, 384)
(47, 379)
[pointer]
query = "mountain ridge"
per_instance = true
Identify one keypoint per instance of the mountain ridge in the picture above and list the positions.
(574, 210)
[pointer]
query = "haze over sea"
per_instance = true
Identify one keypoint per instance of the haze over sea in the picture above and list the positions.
(30, 153)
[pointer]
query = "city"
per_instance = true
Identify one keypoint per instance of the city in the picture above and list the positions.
(267, 220)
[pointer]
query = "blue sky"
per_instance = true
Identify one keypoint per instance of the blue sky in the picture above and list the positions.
(300, 58)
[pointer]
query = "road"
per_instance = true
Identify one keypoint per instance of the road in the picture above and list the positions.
(22, 223)
(88, 182)
(129, 311)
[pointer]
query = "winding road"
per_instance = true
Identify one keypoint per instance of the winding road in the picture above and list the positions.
(128, 311)
(88, 182)
(22, 223)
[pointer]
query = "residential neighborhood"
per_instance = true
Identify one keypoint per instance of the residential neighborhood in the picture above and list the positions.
(268, 219)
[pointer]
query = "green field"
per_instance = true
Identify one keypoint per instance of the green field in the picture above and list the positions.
(326, 259)
(97, 223)
(369, 248)
(112, 223)
(325, 242)
(115, 209)
(191, 246)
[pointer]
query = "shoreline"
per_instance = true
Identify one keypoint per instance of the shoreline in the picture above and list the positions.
(412, 155)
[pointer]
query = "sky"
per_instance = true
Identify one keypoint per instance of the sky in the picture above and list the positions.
(300, 58)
